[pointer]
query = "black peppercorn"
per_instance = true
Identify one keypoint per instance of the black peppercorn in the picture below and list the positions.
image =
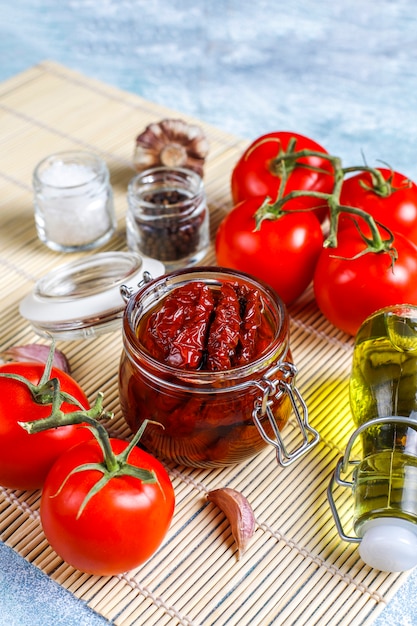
(168, 217)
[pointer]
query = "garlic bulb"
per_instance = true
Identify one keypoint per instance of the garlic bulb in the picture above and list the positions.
(36, 352)
(173, 143)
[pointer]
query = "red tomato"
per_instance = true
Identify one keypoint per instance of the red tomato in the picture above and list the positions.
(121, 526)
(398, 211)
(26, 459)
(348, 290)
(257, 174)
(282, 253)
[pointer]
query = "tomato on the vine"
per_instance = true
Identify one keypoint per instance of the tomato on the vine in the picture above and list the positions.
(26, 459)
(121, 525)
(397, 211)
(282, 253)
(258, 171)
(349, 289)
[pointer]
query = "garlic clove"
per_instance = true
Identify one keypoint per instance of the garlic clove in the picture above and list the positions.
(239, 513)
(172, 143)
(38, 353)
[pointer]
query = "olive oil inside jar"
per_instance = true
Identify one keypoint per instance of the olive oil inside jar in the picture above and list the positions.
(384, 384)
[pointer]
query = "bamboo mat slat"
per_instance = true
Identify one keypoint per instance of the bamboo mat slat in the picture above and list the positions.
(296, 570)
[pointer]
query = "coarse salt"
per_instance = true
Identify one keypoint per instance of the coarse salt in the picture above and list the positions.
(73, 202)
(61, 175)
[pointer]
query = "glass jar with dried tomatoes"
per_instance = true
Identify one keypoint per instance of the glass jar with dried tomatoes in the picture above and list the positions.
(207, 360)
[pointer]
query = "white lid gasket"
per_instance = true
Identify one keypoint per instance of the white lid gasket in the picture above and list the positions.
(83, 299)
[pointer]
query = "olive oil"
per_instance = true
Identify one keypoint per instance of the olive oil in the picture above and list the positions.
(384, 384)
(386, 486)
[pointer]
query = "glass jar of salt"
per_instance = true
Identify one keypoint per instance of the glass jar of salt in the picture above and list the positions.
(73, 202)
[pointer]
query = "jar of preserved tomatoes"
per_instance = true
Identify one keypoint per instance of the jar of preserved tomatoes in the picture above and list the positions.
(207, 361)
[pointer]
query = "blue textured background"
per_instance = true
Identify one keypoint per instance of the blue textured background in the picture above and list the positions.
(344, 73)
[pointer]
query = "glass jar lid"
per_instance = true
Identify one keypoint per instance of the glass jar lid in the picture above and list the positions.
(82, 299)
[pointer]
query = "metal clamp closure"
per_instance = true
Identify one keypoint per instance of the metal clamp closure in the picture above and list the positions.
(272, 388)
(342, 467)
(127, 292)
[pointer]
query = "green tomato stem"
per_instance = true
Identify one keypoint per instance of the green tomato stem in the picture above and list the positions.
(48, 392)
(48, 366)
(273, 210)
(113, 466)
(58, 418)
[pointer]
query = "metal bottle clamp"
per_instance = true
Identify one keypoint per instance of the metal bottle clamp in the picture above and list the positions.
(344, 462)
(262, 406)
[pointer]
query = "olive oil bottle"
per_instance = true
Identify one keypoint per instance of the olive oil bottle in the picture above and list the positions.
(383, 398)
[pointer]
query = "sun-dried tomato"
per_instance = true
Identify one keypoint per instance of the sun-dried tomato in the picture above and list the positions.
(211, 330)
(224, 330)
(176, 332)
(186, 350)
(251, 323)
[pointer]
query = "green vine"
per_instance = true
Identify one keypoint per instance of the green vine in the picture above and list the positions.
(48, 392)
(113, 465)
(283, 165)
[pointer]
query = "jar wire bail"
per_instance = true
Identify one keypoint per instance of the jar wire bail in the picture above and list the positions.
(127, 292)
(274, 388)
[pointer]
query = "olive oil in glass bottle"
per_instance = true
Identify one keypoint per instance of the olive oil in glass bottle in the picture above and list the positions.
(383, 398)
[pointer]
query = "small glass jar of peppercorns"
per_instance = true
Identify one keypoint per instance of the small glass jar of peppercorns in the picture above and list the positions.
(168, 217)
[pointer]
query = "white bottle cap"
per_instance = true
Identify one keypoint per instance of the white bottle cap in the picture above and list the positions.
(389, 544)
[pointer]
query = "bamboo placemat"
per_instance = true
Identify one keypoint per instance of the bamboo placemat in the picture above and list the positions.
(296, 569)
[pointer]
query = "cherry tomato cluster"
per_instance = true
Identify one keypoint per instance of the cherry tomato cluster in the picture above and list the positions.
(98, 519)
(291, 249)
